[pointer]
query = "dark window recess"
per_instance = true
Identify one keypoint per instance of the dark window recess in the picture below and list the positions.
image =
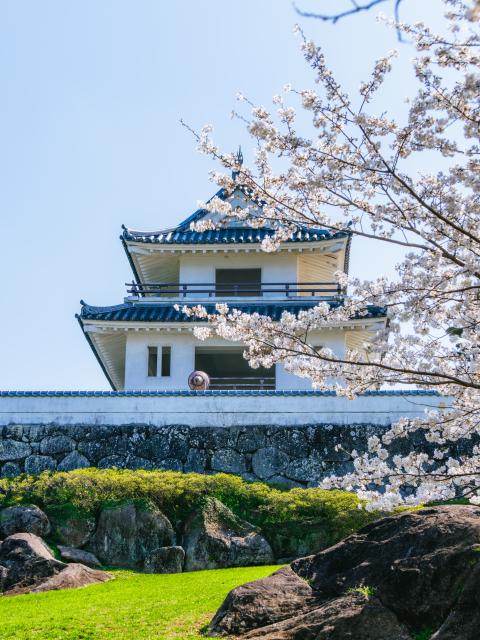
(228, 369)
(166, 359)
(152, 361)
(238, 282)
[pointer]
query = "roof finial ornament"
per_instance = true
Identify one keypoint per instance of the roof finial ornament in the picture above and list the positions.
(238, 163)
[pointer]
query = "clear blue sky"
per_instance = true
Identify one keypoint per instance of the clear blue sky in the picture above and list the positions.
(92, 94)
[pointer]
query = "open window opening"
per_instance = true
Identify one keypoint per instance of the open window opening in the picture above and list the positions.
(228, 369)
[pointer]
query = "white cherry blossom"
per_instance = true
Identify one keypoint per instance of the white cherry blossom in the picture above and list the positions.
(356, 169)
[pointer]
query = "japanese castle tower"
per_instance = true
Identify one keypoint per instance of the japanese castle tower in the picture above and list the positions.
(146, 343)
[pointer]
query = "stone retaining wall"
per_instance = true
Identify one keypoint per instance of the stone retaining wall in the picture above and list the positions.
(296, 456)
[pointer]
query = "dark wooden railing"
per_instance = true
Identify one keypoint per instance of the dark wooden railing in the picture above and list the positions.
(246, 383)
(235, 289)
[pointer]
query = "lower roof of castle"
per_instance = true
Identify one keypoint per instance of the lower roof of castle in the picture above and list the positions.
(166, 312)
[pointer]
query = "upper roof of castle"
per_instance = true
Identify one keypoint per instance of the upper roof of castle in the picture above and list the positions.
(229, 231)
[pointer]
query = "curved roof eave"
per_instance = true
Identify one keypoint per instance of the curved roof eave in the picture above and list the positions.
(161, 312)
(95, 352)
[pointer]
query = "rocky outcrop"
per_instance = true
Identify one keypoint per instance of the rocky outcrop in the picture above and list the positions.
(71, 527)
(215, 538)
(137, 535)
(128, 533)
(72, 554)
(27, 565)
(23, 519)
(27, 561)
(263, 602)
(401, 574)
(165, 560)
(73, 576)
(350, 617)
(463, 622)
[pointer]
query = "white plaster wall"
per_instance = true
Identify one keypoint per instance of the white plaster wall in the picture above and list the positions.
(277, 267)
(208, 409)
(136, 359)
(334, 339)
(183, 359)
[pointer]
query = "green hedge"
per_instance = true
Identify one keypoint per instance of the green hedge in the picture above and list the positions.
(294, 521)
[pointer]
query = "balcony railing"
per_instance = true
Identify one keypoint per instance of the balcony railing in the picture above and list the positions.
(235, 289)
(246, 383)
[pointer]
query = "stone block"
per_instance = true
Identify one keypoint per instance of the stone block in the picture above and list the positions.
(196, 461)
(73, 460)
(228, 461)
(310, 469)
(155, 447)
(14, 450)
(269, 462)
(56, 444)
(290, 441)
(251, 439)
(170, 464)
(96, 450)
(112, 461)
(10, 470)
(134, 462)
(37, 464)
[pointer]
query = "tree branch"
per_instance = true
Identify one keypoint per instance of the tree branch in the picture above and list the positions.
(356, 8)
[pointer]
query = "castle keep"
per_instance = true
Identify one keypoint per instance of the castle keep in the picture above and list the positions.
(260, 423)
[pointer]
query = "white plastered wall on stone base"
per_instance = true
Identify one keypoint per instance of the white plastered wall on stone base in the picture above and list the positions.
(183, 345)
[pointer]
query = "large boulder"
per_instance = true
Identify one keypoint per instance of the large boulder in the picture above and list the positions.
(263, 602)
(27, 560)
(72, 577)
(350, 617)
(3, 577)
(463, 622)
(23, 519)
(28, 566)
(215, 538)
(414, 571)
(72, 554)
(165, 560)
(71, 527)
(128, 533)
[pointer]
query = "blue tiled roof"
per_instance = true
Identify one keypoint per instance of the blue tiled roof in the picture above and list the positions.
(161, 312)
(234, 235)
(211, 392)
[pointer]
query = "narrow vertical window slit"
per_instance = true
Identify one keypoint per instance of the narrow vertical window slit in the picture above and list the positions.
(152, 361)
(166, 358)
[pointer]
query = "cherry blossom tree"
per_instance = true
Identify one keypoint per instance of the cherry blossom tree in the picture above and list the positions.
(367, 173)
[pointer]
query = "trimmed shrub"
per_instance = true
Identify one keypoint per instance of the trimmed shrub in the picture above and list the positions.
(295, 521)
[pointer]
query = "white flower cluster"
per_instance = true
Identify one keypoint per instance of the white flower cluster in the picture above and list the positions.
(357, 169)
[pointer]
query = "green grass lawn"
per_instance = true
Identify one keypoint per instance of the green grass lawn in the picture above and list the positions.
(133, 606)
